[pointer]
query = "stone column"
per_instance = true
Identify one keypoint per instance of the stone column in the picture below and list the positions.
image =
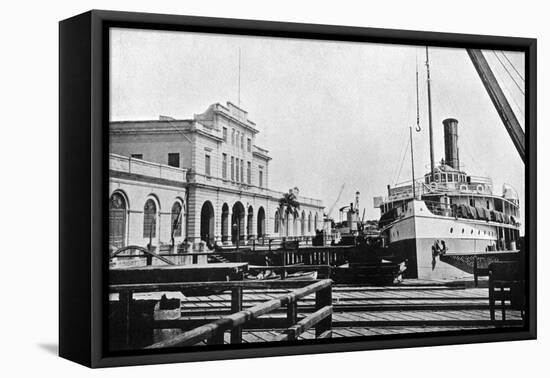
(218, 224)
(194, 224)
(244, 232)
(229, 227)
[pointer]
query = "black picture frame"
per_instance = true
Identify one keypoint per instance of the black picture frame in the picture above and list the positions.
(83, 165)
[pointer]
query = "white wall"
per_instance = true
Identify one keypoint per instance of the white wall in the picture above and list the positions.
(29, 40)
(147, 145)
(136, 194)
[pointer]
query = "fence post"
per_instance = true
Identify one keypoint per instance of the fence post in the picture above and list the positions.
(291, 333)
(283, 265)
(216, 339)
(475, 271)
(125, 299)
(291, 313)
(491, 297)
(283, 272)
(236, 306)
(502, 303)
(323, 298)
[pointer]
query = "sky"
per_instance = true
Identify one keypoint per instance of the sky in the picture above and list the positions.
(330, 113)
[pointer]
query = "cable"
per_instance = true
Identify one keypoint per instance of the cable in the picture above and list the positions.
(401, 152)
(513, 66)
(402, 161)
(509, 74)
(508, 91)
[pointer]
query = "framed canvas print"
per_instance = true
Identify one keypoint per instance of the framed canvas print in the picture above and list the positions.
(234, 188)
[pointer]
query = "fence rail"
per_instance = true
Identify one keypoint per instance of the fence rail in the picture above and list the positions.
(214, 332)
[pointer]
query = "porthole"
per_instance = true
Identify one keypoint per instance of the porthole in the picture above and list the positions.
(462, 230)
(451, 230)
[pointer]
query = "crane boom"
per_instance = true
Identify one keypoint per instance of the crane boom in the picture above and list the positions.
(499, 100)
(337, 199)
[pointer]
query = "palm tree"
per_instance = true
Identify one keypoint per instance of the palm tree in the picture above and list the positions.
(288, 204)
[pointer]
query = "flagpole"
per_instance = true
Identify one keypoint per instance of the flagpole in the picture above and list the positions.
(239, 86)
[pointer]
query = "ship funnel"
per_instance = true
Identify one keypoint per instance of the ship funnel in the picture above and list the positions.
(450, 128)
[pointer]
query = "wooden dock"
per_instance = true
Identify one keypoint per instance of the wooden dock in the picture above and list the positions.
(249, 311)
(364, 310)
(177, 273)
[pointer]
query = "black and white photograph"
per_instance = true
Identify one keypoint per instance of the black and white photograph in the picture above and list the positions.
(267, 190)
(274, 189)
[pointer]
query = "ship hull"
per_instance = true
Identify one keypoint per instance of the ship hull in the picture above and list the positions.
(411, 240)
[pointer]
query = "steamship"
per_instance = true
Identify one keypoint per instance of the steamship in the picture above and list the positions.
(437, 225)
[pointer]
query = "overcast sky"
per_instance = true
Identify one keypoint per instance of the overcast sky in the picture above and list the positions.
(330, 113)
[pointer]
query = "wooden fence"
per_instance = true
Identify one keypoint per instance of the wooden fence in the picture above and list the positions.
(213, 332)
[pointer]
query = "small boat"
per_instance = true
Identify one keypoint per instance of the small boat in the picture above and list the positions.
(302, 276)
(270, 275)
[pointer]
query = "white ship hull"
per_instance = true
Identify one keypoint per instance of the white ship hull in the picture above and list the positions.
(412, 236)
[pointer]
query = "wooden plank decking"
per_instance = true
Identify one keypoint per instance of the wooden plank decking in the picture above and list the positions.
(367, 310)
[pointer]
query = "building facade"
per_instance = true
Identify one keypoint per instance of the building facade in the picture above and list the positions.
(222, 185)
(147, 203)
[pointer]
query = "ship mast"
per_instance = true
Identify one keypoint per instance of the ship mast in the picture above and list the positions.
(412, 161)
(432, 168)
(411, 133)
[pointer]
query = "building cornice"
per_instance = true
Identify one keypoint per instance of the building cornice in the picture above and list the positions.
(147, 179)
(164, 131)
(247, 126)
(263, 156)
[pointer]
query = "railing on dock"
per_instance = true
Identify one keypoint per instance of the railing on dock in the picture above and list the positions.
(284, 250)
(214, 332)
(134, 253)
(287, 255)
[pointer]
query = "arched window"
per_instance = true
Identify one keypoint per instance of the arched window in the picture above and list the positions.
(309, 223)
(277, 221)
(238, 216)
(117, 220)
(260, 231)
(177, 219)
(207, 222)
(150, 219)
